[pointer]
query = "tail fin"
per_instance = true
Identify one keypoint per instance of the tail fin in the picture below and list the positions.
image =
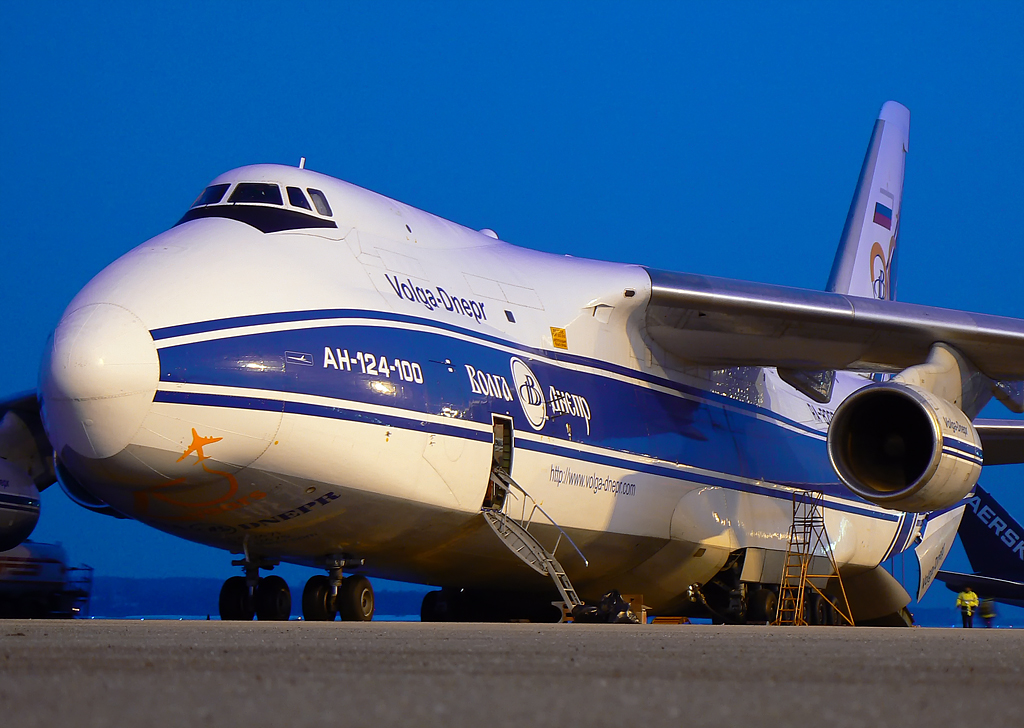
(865, 263)
(992, 538)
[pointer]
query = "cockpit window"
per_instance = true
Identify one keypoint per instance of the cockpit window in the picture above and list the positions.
(320, 201)
(211, 195)
(257, 192)
(297, 198)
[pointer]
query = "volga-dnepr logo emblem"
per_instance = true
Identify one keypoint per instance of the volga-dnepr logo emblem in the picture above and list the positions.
(530, 394)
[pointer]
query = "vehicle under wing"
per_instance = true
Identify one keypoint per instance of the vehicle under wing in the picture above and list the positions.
(724, 322)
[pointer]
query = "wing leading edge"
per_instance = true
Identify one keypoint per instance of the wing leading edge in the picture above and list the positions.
(723, 322)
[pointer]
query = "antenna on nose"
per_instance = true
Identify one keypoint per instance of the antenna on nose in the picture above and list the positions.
(302, 163)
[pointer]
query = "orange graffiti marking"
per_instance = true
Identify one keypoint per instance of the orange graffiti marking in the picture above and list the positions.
(198, 443)
(205, 508)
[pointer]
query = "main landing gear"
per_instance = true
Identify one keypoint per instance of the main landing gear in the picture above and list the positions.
(353, 600)
(242, 597)
(271, 601)
(325, 597)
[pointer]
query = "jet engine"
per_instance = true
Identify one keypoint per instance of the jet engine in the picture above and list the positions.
(902, 447)
(25, 468)
(19, 505)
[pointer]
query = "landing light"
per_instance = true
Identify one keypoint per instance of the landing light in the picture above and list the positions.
(382, 387)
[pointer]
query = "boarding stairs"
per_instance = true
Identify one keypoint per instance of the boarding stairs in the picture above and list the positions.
(515, 534)
(808, 539)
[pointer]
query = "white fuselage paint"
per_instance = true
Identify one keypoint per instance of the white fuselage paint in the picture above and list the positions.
(372, 476)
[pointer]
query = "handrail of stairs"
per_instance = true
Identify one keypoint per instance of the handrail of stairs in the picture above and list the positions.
(504, 481)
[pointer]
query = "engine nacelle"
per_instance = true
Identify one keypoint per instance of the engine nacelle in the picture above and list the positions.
(902, 447)
(19, 505)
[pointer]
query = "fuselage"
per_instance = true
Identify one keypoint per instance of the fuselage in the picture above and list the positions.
(299, 381)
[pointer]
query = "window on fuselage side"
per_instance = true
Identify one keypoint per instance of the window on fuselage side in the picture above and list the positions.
(211, 195)
(257, 192)
(320, 201)
(297, 199)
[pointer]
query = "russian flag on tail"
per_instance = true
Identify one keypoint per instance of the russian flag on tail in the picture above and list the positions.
(883, 215)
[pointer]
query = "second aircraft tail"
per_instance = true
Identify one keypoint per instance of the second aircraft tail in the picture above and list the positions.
(992, 538)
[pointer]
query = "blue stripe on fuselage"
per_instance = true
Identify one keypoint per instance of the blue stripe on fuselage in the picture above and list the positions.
(702, 478)
(901, 539)
(317, 410)
(390, 420)
(327, 315)
(624, 415)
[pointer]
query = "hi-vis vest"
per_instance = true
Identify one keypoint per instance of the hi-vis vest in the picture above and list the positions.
(967, 601)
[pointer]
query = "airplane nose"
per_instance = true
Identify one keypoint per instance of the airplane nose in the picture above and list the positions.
(98, 379)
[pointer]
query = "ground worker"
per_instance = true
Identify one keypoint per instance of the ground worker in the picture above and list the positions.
(988, 611)
(967, 602)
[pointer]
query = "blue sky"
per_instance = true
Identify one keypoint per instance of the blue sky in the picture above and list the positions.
(713, 138)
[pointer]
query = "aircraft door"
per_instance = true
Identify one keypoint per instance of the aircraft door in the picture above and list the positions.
(501, 459)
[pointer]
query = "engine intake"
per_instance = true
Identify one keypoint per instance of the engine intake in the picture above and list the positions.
(902, 447)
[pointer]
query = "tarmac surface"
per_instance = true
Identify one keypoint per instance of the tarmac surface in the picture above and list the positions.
(179, 673)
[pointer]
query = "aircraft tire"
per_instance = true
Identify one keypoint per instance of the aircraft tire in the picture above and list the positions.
(817, 609)
(235, 603)
(762, 606)
(273, 600)
(355, 599)
(430, 609)
(317, 604)
(830, 614)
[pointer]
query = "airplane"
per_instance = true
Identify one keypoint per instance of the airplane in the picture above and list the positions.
(26, 467)
(994, 542)
(304, 371)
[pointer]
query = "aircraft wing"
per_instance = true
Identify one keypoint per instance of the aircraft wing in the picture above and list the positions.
(986, 586)
(1002, 441)
(724, 322)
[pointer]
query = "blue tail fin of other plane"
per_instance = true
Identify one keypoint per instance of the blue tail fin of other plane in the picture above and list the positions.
(992, 538)
(865, 263)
